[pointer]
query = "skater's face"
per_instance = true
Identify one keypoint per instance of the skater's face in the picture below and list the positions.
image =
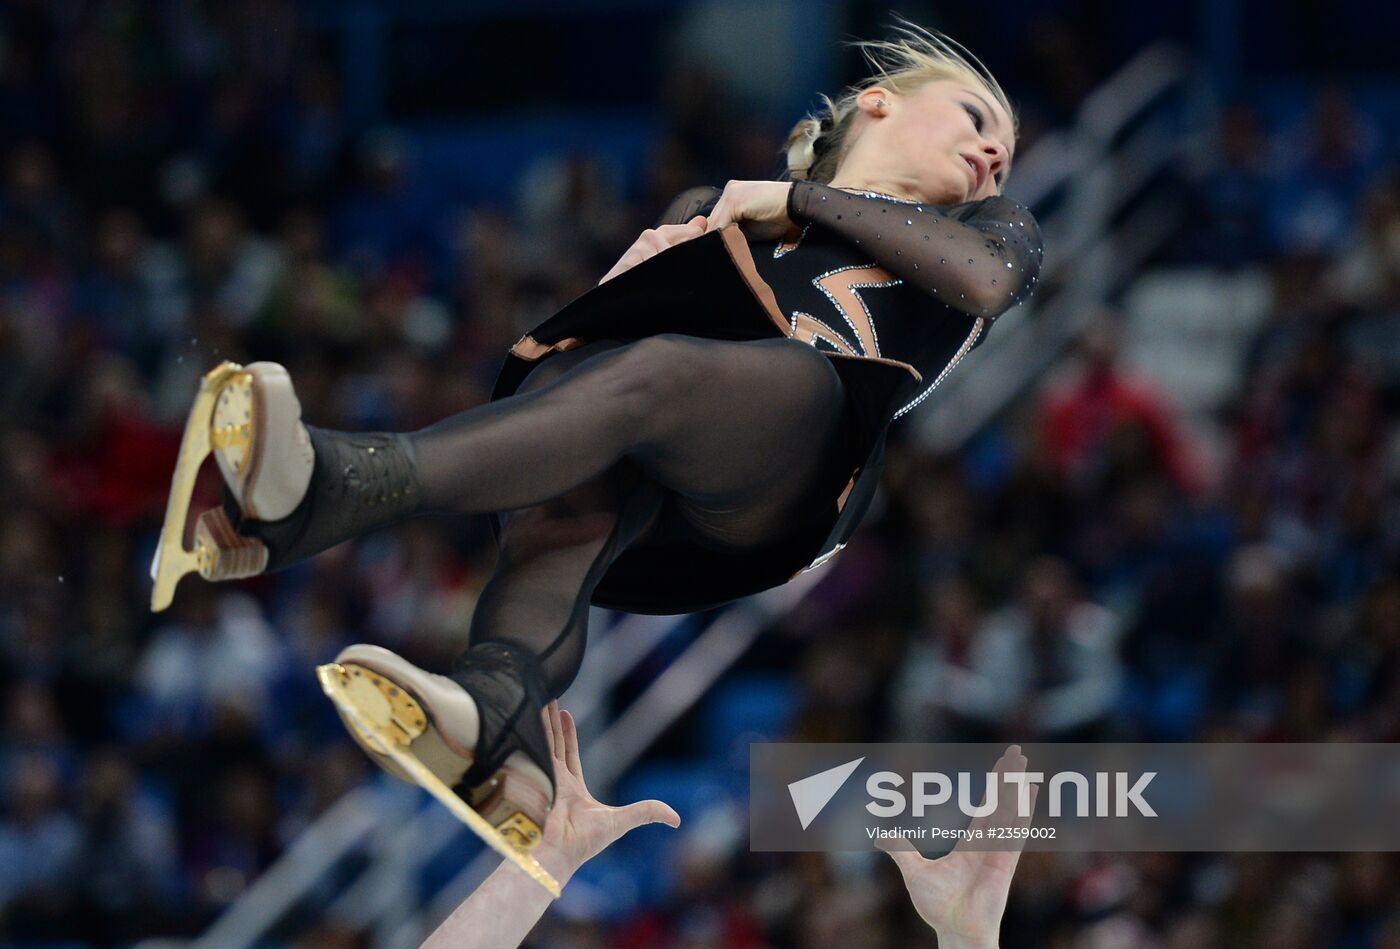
(942, 143)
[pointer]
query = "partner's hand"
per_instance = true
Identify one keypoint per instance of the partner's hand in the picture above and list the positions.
(963, 895)
(506, 906)
(653, 241)
(579, 827)
(759, 208)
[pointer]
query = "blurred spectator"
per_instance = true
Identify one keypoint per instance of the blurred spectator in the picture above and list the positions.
(35, 738)
(1045, 667)
(1322, 167)
(1103, 426)
(226, 270)
(388, 222)
(38, 838)
(937, 680)
(219, 648)
(1229, 220)
(124, 870)
(236, 838)
(1368, 274)
(1266, 645)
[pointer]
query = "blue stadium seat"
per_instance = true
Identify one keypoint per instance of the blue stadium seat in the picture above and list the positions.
(745, 710)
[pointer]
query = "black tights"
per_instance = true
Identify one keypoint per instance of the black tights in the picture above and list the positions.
(583, 454)
(735, 436)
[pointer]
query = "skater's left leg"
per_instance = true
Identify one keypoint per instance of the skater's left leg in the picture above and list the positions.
(552, 557)
(531, 621)
(481, 731)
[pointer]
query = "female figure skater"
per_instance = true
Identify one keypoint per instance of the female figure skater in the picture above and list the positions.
(704, 424)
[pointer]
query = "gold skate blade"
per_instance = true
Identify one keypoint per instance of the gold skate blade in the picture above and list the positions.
(172, 560)
(379, 723)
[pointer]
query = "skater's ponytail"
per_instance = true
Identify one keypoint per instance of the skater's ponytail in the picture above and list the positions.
(912, 57)
(813, 145)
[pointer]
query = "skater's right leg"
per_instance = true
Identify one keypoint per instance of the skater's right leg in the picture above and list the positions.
(291, 490)
(295, 490)
(736, 429)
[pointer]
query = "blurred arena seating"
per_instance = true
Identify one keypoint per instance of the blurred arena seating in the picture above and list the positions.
(1203, 484)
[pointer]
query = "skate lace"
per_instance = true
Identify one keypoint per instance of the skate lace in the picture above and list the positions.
(505, 682)
(360, 481)
(373, 470)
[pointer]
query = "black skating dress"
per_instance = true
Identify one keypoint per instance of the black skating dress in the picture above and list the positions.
(895, 293)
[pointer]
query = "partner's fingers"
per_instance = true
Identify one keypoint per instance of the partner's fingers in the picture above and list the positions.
(572, 760)
(636, 815)
(1008, 859)
(653, 241)
(695, 225)
(1006, 812)
(669, 235)
(759, 206)
(554, 730)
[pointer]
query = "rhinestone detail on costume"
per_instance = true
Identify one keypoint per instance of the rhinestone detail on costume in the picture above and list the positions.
(957, 358)
(865, 346)
(784, 248)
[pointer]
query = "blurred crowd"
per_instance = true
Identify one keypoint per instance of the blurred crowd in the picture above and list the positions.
(179, 186)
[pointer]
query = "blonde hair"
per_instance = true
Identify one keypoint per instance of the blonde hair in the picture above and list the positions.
(910, 58)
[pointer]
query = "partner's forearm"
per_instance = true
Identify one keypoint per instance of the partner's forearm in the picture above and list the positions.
(500, 913)
(951, 941)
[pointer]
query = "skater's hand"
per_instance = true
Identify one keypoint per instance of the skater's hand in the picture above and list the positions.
(579, 828)
(962, 895)
(758, 207)
(654, 240)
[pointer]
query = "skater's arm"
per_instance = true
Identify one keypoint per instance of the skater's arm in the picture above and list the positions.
(980, 257)
(503, 910)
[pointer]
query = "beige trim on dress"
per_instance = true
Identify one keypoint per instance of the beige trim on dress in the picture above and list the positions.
(531, 349)
(739, 252)
(889, 362)
(841, 501)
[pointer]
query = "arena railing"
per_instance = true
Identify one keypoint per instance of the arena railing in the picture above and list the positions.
(1102, 220)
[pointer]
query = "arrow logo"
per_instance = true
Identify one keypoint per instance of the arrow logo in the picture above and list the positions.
(812, 794)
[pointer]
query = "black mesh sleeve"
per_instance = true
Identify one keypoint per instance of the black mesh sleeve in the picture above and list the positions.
(981, 257)
(687, 204)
